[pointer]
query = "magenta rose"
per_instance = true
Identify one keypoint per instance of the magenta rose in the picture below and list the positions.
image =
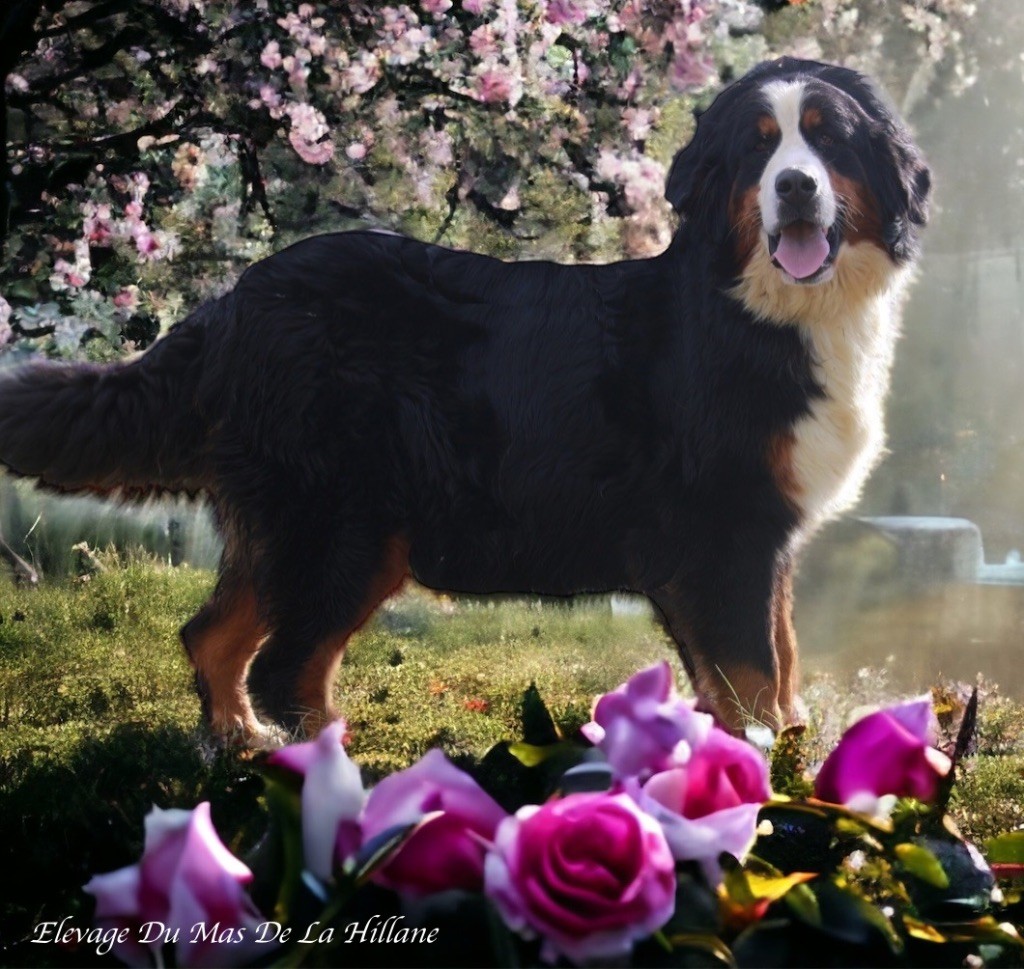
(448, 850)
(186, 877)
(589, 873)
(332, 798)
(644, 726)
(888, 753)
(709, 804)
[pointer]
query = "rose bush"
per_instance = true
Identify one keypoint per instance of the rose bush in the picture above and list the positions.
(662, 842)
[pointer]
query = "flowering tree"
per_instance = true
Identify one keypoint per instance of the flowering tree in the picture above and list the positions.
(155, 147)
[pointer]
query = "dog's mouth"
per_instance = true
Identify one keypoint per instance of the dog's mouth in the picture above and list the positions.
(804, 250)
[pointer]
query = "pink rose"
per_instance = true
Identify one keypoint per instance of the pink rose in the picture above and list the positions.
(185, 877)
(332, 798)
(644, 726)
(590, 874)
(886, 753)
(710, 804)
(448, 850)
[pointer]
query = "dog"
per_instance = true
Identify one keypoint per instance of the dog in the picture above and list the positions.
(362, 407)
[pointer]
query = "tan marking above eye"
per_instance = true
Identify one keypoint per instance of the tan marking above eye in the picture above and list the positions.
(768, 126)
(811, 118)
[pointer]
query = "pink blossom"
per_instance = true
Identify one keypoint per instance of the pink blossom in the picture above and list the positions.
(565, 12)
(362, 74)
(185, 877)
(483, 41)
(689, 71)
(436, 7)
(271, 56)
(127, 298)
(886, 753)
(356, 150)
(644, 726)
(6, 332)
(138, 185)
(495, 84)
(638, 122)
(589, 873)
(308, 134)
(97, 226)
(270, 96)
(710, 804)
(448, 850)
(476, 7)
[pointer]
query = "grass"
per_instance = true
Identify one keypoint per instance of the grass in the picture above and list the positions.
(99, 719)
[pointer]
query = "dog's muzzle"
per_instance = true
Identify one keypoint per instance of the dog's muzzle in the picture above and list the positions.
(802, 245)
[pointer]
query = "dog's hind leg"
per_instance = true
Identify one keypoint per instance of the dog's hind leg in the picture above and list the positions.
(292, 677)
(221, 640)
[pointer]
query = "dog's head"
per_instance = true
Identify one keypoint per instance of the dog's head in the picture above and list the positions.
(796, 162)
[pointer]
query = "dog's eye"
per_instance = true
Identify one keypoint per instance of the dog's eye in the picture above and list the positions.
(764, 143)
(824, 140)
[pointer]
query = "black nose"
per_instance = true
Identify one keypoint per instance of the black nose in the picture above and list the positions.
(795, 186)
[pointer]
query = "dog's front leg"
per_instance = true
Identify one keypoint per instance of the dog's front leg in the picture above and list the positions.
(722, 618)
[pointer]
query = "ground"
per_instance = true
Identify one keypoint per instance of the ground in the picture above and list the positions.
(99, 718)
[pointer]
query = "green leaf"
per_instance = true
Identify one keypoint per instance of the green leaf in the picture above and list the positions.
(774, 887)
(737, 887)
(852, 919)
(286, 826)
(1006, 848)
(558, 56)
(921, 863)
(710, 944)
(803, 903)
(531, 755)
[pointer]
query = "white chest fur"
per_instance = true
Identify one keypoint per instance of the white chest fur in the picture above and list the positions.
(850, 325)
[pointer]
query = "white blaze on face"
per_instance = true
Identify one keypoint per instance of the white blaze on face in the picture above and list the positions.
(784, 100)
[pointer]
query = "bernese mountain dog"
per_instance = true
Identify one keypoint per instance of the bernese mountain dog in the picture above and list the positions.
(362, 407)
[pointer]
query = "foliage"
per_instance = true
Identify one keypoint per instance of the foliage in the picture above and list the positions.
(154, 148)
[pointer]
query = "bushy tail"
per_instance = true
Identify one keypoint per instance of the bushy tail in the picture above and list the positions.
(129, 426)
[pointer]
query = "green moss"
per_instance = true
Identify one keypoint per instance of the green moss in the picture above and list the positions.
(989, 797)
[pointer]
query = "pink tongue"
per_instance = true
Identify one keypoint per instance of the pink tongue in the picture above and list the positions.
(802, 249)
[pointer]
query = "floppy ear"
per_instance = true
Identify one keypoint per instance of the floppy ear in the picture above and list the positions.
(900, 177)
(903, 186)
(688, 177)
(683, 176)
